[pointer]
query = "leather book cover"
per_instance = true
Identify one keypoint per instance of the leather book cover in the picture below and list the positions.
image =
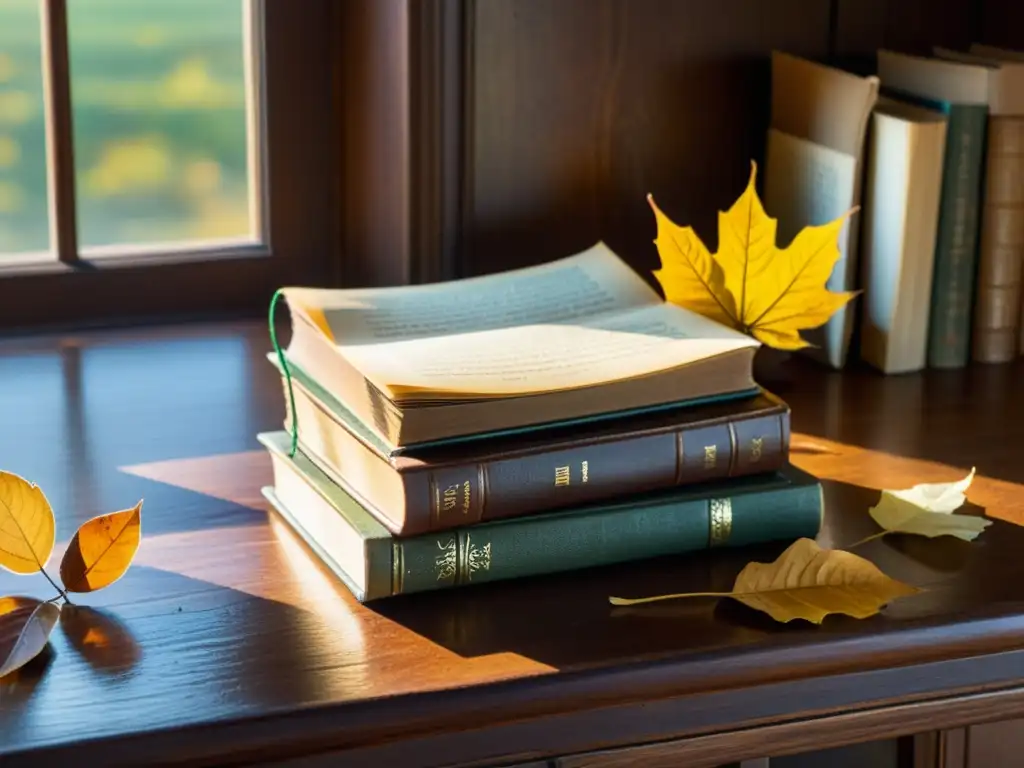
(1001, 270)
(1022, 324)
(997, 305)
(461, 484)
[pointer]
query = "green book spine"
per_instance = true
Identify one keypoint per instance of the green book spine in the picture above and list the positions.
(956, 253)
(732, 514)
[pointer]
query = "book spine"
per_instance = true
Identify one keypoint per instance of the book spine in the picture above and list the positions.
(956, 250)
(1022, 323)
(998, 294)
(463, 495)
(560, 542)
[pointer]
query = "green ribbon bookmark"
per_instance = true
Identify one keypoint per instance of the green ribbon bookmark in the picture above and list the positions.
(294, 427)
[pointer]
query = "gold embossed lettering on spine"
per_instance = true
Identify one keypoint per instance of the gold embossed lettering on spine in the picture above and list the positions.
(459, 557)
(721, 522)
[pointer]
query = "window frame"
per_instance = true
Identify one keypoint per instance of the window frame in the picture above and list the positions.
(298, 180)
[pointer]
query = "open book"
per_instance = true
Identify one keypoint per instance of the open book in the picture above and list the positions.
(578, 338)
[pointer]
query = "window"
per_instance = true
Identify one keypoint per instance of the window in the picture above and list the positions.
(162, 157)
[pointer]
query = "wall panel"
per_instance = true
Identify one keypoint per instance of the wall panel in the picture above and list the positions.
(578, 109)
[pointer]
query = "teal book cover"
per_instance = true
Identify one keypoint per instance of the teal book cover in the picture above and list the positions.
(957, 240)
(374, 563)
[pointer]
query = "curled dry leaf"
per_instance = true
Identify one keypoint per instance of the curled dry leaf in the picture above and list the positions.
(750, 283)
(26, 525)
(25, 627)
(927, 510)
(102, 550)
(807, 582)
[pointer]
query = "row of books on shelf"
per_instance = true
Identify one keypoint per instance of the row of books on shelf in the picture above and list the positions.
(551, 418)
(932, 150)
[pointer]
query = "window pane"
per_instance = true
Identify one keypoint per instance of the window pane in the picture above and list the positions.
(24, 225)
(158, 91)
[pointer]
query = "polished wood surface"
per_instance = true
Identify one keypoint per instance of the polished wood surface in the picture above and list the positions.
(226, 641)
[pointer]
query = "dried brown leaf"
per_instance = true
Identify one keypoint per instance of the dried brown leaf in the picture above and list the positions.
(25, 627)
(807, 582)
(102, 550)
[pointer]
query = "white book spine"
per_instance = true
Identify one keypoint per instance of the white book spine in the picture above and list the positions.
(901, 211)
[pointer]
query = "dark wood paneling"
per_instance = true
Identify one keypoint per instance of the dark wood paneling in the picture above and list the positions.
(992, 744)
(1003, 23)
(912, 26)
(375, 164)
(401, 96)
(438, 73)
(795, 738)
(580, 108)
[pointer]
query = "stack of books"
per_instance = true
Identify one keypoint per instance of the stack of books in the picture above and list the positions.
(544, 419)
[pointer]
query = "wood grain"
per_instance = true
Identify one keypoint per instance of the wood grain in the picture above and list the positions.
(578, 109)
(375, 172)
(227, 639)
(794, 738)
(912, 26)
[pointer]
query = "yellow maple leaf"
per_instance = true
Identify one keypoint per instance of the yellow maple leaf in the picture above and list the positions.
(750, 283)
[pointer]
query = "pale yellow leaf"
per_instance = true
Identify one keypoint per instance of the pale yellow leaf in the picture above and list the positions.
(688, 274)
(102, 550)
(937, 497)
(26, 525)
(25, 627)
(769, 292)
(927, 510)
(807, 582)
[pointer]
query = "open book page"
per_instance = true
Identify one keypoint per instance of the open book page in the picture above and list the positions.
(583, 286)
(546, 356)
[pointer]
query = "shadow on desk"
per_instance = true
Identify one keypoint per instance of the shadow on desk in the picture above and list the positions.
(520, 617)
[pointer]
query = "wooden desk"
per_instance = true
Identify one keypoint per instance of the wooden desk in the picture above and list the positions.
(227, 643)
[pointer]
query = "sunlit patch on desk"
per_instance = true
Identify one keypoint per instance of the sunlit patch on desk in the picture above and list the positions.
(832, 460)
(234, 477)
